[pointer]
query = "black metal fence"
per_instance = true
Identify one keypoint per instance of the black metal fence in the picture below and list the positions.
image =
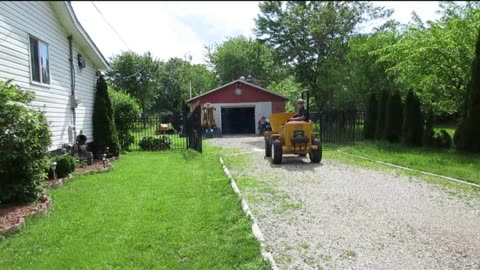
(155, 133)
(194, 129)
(339, 126)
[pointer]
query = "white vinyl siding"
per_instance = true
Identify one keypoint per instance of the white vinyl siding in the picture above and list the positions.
(18, 22)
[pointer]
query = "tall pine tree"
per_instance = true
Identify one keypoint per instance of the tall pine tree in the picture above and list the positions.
(104, 131)
(371, 118)
(467, 135)
(412, 131)
(394, 118)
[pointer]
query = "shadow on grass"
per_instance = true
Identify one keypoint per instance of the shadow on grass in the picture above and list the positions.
(295, 163)
(189, 155)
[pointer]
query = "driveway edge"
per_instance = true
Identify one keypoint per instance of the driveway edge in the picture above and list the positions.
(255, 228)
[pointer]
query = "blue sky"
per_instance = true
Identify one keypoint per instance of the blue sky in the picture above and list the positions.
(174, 29)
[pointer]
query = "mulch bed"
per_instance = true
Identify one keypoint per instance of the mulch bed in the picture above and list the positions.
(12, 218)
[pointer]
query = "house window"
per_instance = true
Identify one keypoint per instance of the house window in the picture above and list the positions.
(39, 61)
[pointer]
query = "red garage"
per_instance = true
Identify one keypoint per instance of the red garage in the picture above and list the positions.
(240, 105)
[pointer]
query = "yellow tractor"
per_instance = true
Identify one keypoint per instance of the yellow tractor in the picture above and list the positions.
(209, 126)
(295, 137)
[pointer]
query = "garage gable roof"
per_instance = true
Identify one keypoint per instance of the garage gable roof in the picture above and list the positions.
(230, 83)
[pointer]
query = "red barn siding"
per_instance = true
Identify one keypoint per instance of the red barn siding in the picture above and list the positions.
(249, 94)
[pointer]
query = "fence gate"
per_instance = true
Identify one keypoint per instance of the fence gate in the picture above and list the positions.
(194, 129)
(339, 126)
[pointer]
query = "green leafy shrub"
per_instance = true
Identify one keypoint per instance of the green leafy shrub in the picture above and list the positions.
(371, 118)
(65, 165)
(104, 131)
(443, 139)
(412, 131)
(467, 134)
(394, 118)
(153, 143)
(382, 111)
(24, 142)
(125, 110)
(428, 135)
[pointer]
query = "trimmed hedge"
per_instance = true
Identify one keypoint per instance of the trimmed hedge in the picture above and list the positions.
(65, 165)
(24, 142)
(153, 143)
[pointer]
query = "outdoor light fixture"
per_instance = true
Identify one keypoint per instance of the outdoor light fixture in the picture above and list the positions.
(53, 166)
(104, 159)
(81, 61)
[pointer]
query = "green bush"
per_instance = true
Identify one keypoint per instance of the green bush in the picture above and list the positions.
(24, 142)
(394, 118)
(371, 118)
(65, 165)
(429, 132)
(382, 111)
(412, 131)
(104, 131)
(153, 143)
(442, 139)
(125, 110)
(467, 135)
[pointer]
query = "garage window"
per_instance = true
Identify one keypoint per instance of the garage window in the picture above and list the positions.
(39, 61)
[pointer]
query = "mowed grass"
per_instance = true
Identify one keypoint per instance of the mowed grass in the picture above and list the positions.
(155, 210)
(444, 162)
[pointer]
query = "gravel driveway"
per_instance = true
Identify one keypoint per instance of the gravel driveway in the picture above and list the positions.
(337, 216)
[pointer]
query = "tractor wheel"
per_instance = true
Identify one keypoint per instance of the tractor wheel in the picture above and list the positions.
(277, 152)
(268, 148)
(316, 155)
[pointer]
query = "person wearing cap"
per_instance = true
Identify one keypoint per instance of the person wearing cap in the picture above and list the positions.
(302, 114)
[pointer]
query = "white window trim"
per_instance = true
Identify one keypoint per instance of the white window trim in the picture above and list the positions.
(30, 62)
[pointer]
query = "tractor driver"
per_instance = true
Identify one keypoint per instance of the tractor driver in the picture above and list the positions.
(302, 114)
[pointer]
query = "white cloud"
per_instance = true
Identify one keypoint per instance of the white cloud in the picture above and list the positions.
(172, 29)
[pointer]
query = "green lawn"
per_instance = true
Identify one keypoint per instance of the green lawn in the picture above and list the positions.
(156, 210)
(444, 162)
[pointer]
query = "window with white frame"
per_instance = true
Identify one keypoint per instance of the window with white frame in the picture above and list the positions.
(39, 61)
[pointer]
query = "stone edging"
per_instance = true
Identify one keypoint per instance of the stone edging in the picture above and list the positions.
(255, 228)
(410, 169)
(41, 208)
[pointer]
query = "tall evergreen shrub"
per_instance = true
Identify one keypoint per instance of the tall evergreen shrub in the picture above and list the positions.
(428, 135)
(371, 118)
(412, 131)
(382, 110)
(104, 131)
(394, 118)
(467, 135)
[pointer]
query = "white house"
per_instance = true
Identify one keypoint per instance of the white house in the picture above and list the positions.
(44, 48)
